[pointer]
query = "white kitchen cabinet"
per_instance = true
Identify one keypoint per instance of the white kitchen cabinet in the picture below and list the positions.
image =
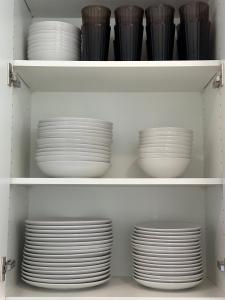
(133, 95)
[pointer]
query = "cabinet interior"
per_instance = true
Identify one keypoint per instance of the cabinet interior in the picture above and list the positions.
(201, 111)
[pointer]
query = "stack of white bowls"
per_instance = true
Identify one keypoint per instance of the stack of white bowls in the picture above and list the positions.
(67, 253)
(54, 40)
(168, 255)
(165, 151)
(74, 147)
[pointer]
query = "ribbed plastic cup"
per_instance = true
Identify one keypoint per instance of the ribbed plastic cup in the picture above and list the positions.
(95, 42)
(194, 11)
(160, 41)
(129, 15)
(128, 42)
(159, 14)
(96, 14)
(195, 36)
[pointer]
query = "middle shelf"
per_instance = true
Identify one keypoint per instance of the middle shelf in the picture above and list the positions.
(204, 182)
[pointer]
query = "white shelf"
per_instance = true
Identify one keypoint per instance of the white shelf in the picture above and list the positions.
(118, 288)
(118, 181)
(112, 76)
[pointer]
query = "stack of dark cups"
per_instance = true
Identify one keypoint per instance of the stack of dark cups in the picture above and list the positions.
(95, 32)
(160, 31)
(128, 33)
(194, 31)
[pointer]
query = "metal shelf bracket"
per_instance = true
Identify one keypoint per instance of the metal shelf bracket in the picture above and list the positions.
(221, 265)
(13, 79)
(6, 265)
(219, 79)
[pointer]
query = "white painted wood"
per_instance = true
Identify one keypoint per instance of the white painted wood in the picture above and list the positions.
(118, 181)
(118, 288)
(112, 76)
(71, 8)
(6, 51)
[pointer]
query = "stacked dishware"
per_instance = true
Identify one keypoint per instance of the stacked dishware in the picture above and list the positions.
(74, 147)
(128, 33)
(165, 151)
(194, 31)
(168, 255)
(95, 32)
(160, 31)
(53, 40)
(67, 253)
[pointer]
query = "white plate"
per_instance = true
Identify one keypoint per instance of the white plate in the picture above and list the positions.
(165, 244)
(65, 264)
(169, 227)
(169, 250)
(53, 25)
(82, 147)
(69, 222)
(157, 237)
(65, 277)
(80, 232)
(167, 285)
(165, 268)
(161, 278)
(68, 120)
(70, 247)
(67, 281)
(69, 227)
(74, 169)
(152, 272)
(168, 260)
(71, 142)
(79, 261)
(73, 270)
(166, 254)
(70, 238)
(76, 128)
(65, 286)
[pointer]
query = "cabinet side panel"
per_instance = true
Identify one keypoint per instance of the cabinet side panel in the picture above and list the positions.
(215, 234)
(213, 120)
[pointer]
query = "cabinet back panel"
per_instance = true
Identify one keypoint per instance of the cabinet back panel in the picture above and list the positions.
(125, 206)
(130, 112)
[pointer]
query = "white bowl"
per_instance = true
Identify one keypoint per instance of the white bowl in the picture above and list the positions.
(76, 124)
(46, 158)
(75, 135)
(85, 140)
(73, 155)
(164, 150)
(68, 150)
(34, 31)
(52, 56)
(57, 25)
(52, 35)
(167, 129)
(54, 50)
(164, 167)
(52, 40)
(165, 137)
(159, 141)
(76, 120)
(164, 155)
(74, 169)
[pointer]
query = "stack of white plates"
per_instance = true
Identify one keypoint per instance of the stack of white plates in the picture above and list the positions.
(54, 40)
(167, 255)
(74, 147)
(165, 151)
(67, 254)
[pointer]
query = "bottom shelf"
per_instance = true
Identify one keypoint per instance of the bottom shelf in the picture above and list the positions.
(118, 287)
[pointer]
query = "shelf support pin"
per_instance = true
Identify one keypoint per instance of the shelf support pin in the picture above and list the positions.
(221, 265)
(6, 265)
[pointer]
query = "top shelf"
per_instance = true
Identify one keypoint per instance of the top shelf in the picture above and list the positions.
(72, 8)
(113, 76)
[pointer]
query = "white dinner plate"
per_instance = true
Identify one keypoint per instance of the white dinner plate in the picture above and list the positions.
(168, 260)
(69, 221)
(166, 238)
(90, 232)
(168, 256)
(69, 227)
(168, 227)
(157, 266)
(56, 234)
(169, 250)
(67, 286)
(49, 264)
(73, 270)
(79, 280)
(168, 285)
(161, 278)
(65, 277)
(165, 244)
(78, 262)
(88, 240)
(63, 249)
(152, 272)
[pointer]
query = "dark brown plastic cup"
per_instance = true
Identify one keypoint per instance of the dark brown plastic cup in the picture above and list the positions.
(96, 14)
(159, 14)
(194, 11)
(129, 15)
(160, 41)
(128, 42)
(181, 43)
(95, 42)
(195, 36)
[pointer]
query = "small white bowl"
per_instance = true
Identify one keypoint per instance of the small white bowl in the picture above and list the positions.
(164, 155)
(74, 169)
(46, 158)
(57, 25)
(177, 150)
(164, 167)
